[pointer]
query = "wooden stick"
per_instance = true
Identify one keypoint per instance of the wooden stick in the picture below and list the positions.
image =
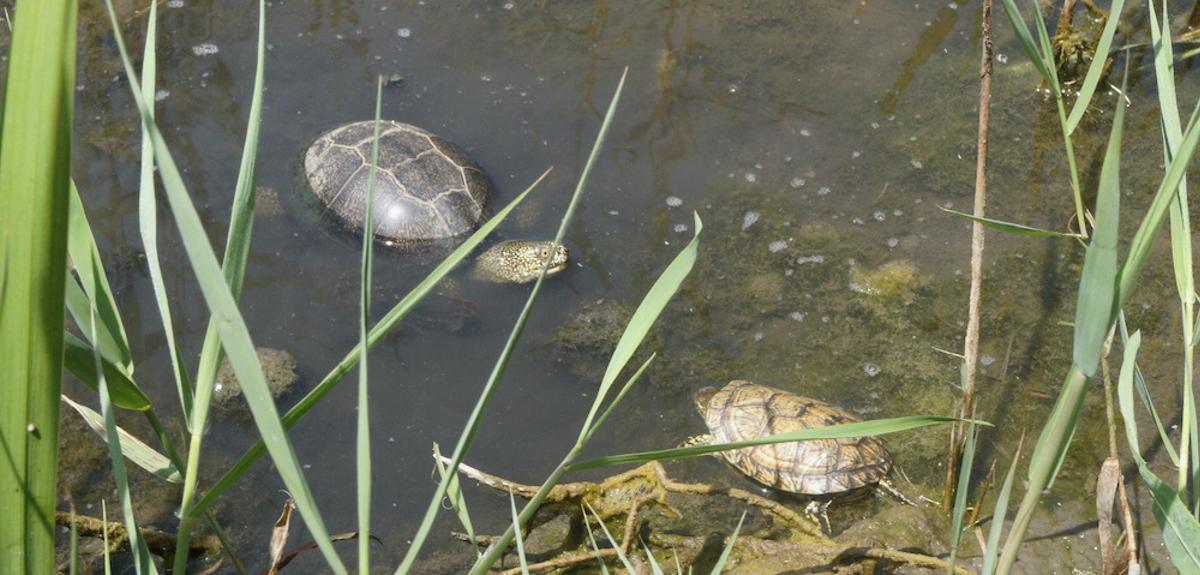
(971, 346)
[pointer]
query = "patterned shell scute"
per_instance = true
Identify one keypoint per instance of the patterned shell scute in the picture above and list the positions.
(744, 410)
(425, 187)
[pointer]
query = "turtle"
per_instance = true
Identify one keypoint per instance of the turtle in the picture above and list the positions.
(425, 188)
(519, 261)
(821, 467)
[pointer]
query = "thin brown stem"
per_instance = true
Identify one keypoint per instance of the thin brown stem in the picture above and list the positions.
(971, 346)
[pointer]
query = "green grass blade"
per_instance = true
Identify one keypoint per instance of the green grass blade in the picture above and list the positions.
(1009, 227)
(350, 360)
(1139, 246)
(1096, 306)
(1047, 454)
(104, 518)
(455, 496)
(1181, 531)
(655, 568)
(1181, 239)
(134, 449)
(81, 245)
(1025, 38)
(595, 548)
(856, 429)
(1047, 52)
(237, 249)
(1096, 68)
(643, 318)
(148, 225)
(520, 540)
(35, 163)
(720, 564)
(620, 395)
(363, 436)
(137, 545)
(998, 513)
(77, 358)
(235, 337)
(611, 540)
(489, 388)
(959, 511)
(1139, 383)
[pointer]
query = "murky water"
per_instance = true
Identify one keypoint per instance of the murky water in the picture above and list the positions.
(816, 139)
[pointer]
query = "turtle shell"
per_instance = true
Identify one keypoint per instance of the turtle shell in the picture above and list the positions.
(742, 410)
(425, 188)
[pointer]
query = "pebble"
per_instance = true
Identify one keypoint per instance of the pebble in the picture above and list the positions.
(206, 49)
(749, 219)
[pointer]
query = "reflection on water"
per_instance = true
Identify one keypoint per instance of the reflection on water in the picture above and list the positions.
(816, 139)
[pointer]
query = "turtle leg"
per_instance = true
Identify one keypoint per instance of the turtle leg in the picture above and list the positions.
(818, 512)
(696, 440)
(888, 489)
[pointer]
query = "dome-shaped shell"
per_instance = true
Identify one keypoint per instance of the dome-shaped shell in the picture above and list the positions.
(742, 410)
(425, 187)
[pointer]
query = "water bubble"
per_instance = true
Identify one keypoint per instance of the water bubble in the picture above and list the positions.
(797, 182)
(161, 95)
(175, 4)
(486, 77)
(796, 316)
(893, 242)
(986, 360)
(777, 246)
(614, 213)
(404, 32)
(750, 177)
(1002, 58)
(879, 216)
(206, 49)
(674, 202)
(749, 219)
(871, 369)
(858, 221)
(733, 88)
(916, 163)
(680, 228)
(897, 212)
(804, 132)
(855, 154)
(823, 191)
(813, 259)
(758, 336)
(508, 6)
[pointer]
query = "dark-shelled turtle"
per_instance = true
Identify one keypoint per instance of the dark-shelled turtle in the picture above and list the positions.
(425, 189)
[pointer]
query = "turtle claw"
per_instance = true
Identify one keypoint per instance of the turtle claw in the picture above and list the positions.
(818, 512)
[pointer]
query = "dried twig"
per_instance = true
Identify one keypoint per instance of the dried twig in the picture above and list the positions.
(159, 543)
(971, 347)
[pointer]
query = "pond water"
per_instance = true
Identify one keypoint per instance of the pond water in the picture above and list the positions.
(817, 140)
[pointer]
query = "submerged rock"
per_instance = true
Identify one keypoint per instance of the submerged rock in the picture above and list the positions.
(279, 369)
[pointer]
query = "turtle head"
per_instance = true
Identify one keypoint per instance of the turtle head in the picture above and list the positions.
(702, 397)
(535, 252)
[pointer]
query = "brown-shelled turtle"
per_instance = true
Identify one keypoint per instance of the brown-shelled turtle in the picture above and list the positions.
(425, 189)
(743, 411)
